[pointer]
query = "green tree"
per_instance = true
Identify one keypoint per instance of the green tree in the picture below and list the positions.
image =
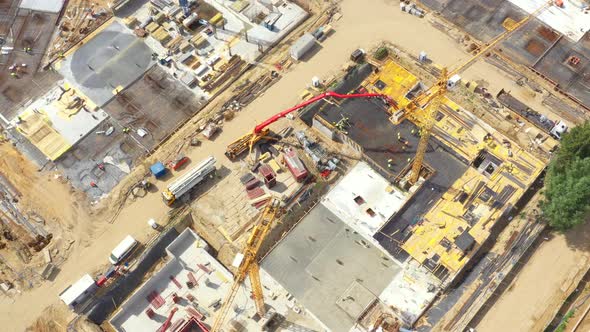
(567, 191)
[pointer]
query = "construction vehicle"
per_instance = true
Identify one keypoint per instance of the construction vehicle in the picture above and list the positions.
(431, 99)
(249, 264)
(261, 131)
(187, 181)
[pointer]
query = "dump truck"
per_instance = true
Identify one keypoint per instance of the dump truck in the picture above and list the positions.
(187, 181)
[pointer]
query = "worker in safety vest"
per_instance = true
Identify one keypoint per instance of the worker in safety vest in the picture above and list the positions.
(390, 163)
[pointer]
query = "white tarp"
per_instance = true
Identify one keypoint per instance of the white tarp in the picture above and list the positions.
(70, 295)
(570, 20)
(50, 6)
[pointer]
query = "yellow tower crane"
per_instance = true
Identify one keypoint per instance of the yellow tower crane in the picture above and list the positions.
(249, 265)
(431, 99)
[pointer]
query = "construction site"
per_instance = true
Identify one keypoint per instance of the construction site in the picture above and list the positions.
(262, 165)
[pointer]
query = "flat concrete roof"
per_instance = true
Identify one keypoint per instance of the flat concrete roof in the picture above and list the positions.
(188, 254)
(108, 62)
(360, 190)
(538, 44)
(50, 6)
(73, 123)
(569, 20)
(371, 129)
(330, 269)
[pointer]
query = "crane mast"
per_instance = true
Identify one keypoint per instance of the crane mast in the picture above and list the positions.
(249, 265)
(432, 98)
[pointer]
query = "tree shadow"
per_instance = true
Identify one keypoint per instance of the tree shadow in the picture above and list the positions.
(579, 237)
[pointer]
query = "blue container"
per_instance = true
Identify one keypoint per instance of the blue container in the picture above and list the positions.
(158, 169)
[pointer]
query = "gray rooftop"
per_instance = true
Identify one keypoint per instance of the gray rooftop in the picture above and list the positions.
(330, 269)
(113, 58)
(50, 6)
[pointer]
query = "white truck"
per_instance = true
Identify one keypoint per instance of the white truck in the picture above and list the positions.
(188, 180)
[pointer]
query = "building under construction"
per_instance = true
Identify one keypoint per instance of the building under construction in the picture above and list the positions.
(556, 45)
(420, 236)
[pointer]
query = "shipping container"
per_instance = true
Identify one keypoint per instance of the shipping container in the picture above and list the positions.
(295, 165)
(302, 46)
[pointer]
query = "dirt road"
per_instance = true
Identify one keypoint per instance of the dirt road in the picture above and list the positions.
(535, 295)
(364, 23)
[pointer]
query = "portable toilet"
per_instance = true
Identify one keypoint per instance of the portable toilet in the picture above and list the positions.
(158, 169)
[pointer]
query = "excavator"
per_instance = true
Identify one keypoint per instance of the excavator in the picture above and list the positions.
(261, 131)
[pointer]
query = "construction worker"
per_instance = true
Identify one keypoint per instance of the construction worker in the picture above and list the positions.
(390, 163)
(13, 74)
(126, 130)
(399, 136)
(409, 159)
(414, 132)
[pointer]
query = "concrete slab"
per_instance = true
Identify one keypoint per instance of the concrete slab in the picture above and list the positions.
(322, 260)
(29, 29)
(188, 253)
(72, 124)
(110, 61)
(50, 6)
(156, 103)
(570, 20)
(545, 43)
(363, 191)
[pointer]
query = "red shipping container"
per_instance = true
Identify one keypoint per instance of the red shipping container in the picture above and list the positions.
(295, 165)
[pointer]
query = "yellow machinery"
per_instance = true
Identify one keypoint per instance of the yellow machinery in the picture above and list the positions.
(249, 265)
(432, 98)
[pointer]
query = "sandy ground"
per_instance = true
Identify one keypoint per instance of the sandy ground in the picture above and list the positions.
(550, 275)
(364, 23)
(584, 324)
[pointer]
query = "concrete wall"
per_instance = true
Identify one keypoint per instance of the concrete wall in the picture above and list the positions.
(323, 128)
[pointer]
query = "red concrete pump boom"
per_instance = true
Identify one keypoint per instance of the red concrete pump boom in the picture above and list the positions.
(247, 141)
(258, 129)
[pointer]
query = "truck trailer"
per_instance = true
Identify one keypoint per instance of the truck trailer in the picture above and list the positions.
(295, 165)
(188, 180)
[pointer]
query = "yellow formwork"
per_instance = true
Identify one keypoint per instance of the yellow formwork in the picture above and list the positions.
(36, 127)
(397, 81)
(467, 135)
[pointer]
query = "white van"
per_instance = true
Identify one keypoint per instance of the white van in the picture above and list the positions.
(122, 250)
